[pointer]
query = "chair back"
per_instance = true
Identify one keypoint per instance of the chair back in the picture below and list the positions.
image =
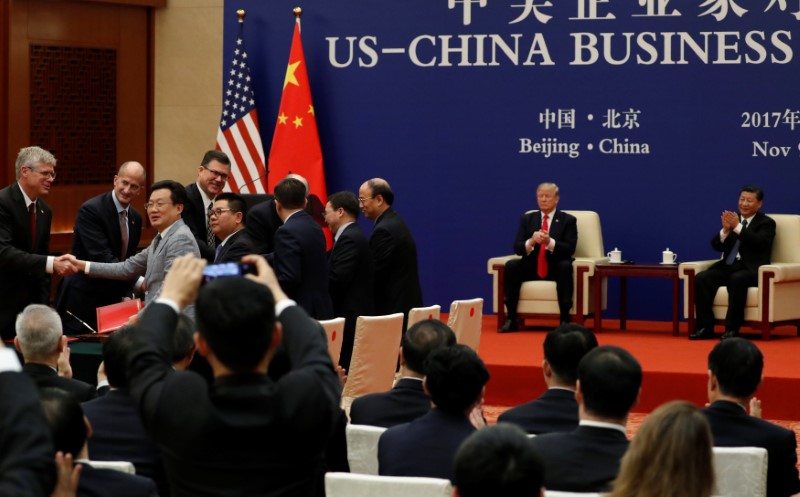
(121, 466)
(375, 351)
(787, 238)
(590, 234)
(418, 314)
(741, 471)
(465, 319)
(350, 485)
(334, 328)
(362, 448)
(556, 493)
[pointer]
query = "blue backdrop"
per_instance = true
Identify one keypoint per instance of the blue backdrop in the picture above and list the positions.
(652, 113)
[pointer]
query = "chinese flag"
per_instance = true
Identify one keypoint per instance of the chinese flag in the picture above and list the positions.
(295, 145)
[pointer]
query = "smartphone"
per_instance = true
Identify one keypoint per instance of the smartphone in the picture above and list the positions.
(212, 271)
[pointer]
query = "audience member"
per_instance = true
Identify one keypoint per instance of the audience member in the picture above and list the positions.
(745, 241)
(117, 430)
(407, 400)
(300, 259)
(735, 369)
(670, 456)
(394, 251)
(246, 434)
(25, 265)
(212, 175)
(44, 348)
(173, 239)
(498, 460)
(587, 459)
(227, 222)
(546, 240)
(107, 229)
(183, 346)
(556, 409)
(26, 447)
(351, 273)
(71, 430)
(426, 446)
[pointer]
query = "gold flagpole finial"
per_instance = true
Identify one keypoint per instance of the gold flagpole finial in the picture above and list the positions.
(240, 13)
(297, 12)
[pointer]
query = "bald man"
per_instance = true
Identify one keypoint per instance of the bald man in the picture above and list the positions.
(107, 229)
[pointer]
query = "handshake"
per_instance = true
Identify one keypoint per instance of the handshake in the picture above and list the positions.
(67, 264)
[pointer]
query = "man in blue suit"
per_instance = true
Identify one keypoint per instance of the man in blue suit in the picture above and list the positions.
(407, 400)
(107, 229)
(427, 446)
(735, 368)
(556, 409)
(300, 257)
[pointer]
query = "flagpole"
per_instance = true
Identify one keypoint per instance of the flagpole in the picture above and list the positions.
(240, 14)
(297, 11)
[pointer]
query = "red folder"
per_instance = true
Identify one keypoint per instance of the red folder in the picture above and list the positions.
(115, 316)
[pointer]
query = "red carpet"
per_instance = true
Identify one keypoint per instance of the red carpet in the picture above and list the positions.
(674, 367)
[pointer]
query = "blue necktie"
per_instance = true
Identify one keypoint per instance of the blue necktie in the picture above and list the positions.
(735, 250)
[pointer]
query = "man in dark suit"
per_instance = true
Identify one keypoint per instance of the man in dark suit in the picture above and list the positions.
(556, 410)
(745, 241)
(25, 267)
(212, 175)
(546, 240)
(498, 460)
(44, 348)
(394, 251)
(107, 229)
(26, 447)
(351, 273)
(735, 368)
(118, 433)
(246, 434)
(587, 459)
(455, 380)
(300, 258)
(70, 431)
(227, 223)
(407, 400)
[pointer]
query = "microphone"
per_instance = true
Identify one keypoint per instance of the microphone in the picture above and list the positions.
(245, 187)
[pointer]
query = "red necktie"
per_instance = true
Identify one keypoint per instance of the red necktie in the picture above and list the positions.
(541, 268)
(32, 212)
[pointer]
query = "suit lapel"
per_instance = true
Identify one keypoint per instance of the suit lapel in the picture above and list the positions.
(21, 213)
(113, 221)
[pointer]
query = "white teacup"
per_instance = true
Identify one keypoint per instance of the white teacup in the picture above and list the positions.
(615, 255)
(668, 257)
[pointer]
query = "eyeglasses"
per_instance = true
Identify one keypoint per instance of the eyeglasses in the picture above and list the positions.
(364, 199)
(218, 212)
(46, 174)
(222, 176)
(157, 205)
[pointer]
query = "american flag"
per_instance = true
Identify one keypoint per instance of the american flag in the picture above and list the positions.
(238, 134)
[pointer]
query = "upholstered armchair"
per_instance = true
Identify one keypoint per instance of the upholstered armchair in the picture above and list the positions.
(538, 298)
(776, 299)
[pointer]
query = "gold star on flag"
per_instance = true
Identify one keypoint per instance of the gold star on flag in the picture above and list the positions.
(282, 118)
(311, 109)
(298, 121)
(290, 77)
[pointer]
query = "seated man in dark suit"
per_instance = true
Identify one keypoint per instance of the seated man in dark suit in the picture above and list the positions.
(556, 409)
(427, 446)
(745, 241)
(245, 434)
(26, 448)
(498, 460)
(227, 223)
(588, 459)
(735, 368)
(70, 431)
(44, 347)
(407, 400)
(546, 240)
(117, 430)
